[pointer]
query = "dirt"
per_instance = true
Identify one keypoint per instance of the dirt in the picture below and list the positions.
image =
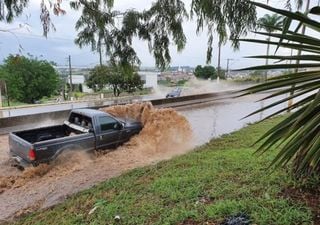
(166, 133)
(310, 198)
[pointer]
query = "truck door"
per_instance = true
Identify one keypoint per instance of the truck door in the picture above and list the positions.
(109, 132)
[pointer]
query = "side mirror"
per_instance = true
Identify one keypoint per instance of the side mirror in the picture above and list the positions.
(118, 126)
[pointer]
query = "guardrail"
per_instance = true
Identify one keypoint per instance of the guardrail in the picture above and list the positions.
(16, 123)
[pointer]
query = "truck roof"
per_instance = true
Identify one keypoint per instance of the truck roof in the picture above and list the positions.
(90, 112)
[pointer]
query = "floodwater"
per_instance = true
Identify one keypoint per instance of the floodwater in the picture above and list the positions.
(210, 121)
(192, 87)
(166, 134)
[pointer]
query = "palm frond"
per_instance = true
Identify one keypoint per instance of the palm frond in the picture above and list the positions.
(297, 136)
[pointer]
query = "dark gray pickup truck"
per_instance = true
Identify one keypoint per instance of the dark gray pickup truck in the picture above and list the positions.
(86, 129)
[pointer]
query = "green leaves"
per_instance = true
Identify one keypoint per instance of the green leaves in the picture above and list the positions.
(297, 137)
(219, 16)
(160, 25)
(29, 79)
(270, 22)
(118, 77)
(11, 8)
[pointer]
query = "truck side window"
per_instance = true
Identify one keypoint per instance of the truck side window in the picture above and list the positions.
(107, 123)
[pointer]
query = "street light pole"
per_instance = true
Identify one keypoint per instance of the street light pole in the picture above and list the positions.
(70, 77)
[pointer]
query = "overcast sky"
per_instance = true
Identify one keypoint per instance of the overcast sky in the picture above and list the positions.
(60, 43)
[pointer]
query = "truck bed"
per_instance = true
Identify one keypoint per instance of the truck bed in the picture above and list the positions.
(47, 142)
(44, 134)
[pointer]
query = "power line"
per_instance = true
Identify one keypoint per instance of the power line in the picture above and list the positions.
(36, 36)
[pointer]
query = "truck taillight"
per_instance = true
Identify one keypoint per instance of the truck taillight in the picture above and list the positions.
(32, 154)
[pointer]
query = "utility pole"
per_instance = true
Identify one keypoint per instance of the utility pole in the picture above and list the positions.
(228, 61)
(6, 90)
(70, 77)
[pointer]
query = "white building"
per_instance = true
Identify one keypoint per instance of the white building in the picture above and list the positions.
(77, 79)
(149, 78)
(80, 79)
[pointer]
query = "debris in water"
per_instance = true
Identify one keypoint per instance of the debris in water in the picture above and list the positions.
(92, 210)
(239, 219)
(117, 218)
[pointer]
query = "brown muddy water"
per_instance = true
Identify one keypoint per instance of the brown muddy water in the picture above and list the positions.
(166, 133)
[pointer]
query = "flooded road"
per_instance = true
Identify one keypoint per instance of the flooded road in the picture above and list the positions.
(210, 121)
(166, 134)
(192, 87)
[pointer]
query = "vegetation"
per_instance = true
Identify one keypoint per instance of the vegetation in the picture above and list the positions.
(270, 23)
(95, 28)
(28, 79)
(219, 17)
(119, 78)
(160, 25)
(299, 133)
(207, 72)
(98, 78)
(217, 180)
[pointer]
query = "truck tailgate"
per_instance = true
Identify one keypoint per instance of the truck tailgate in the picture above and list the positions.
(19, 147)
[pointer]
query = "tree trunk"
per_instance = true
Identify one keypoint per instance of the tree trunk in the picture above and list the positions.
(219, 61)
(267, 60)
(100, 51)
(100, 56)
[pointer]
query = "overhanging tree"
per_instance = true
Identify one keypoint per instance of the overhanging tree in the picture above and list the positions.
(222, 17)
(95, 28)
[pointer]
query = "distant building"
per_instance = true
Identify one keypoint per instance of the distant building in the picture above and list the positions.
(149, 78)
(80, 79)
(77, 79)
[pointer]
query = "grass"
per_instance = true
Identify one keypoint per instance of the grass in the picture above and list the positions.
(219, 179)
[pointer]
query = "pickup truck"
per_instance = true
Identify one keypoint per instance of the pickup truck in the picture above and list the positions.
(86, 129)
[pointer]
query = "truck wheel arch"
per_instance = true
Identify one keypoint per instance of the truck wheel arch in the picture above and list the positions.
(67, 148)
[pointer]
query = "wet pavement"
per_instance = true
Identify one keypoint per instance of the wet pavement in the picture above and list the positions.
(193, 87)
(210, 121)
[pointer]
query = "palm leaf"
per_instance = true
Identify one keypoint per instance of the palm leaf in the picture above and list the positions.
(297, 136)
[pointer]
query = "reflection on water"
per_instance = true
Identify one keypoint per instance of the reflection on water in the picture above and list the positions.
(221, 118)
